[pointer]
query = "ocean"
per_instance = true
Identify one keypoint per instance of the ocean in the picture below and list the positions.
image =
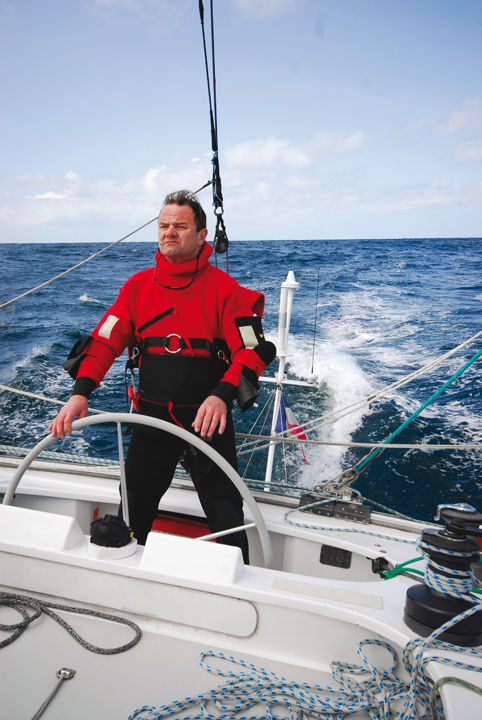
(367, 313)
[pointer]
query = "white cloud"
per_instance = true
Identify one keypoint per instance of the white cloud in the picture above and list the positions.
(50, 195)
(338, 144)
(265, 8)
(467, 117)
(272, 188)
(272, 152)
(266, 153)
(72, 199)
(438, 193)
(469, 152)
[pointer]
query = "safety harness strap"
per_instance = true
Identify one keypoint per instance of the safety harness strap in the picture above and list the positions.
(174, 343)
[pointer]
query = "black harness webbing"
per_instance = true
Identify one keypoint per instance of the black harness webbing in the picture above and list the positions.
(174, 343)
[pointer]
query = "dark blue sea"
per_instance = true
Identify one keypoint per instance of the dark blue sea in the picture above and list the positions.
(367, 313)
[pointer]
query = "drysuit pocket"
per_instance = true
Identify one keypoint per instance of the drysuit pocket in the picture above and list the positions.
(76, 355)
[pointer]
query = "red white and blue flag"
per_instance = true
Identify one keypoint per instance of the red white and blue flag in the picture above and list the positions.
(286, 420)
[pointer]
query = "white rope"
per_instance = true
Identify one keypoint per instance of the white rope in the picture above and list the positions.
(448, 580)
(65, 272)
(18, 451)
(336, 415)
(329, 528)
(361, 687)
(278, 437)
(42, 397)
(378, 691)
(346, 443)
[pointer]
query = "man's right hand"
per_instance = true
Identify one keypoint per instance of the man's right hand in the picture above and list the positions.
(77, 406)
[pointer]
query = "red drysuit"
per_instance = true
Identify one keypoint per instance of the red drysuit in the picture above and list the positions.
(193, 332)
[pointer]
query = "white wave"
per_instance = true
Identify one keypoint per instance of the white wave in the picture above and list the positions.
(343, 383)
(34, 353)
(369, 342)
(87, 299)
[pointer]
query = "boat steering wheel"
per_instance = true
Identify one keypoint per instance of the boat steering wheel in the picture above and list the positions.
(201, 445)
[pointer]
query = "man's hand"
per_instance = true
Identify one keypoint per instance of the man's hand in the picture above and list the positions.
(77, 406)
(211, 415)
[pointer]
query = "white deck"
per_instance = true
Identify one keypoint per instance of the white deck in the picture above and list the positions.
(188, 596)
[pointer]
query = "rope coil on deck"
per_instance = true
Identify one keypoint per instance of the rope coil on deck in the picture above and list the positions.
(23, 604)
(362, 687)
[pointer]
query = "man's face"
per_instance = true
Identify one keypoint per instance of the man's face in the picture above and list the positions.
(179, 240)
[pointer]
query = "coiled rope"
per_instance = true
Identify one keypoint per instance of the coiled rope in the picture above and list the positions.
(449, 581)
(361, 687)
(31, 609)
(379, 691)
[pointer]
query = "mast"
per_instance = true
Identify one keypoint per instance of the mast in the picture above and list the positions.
(288, 288)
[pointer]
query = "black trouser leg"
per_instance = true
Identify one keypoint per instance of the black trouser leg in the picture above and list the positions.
(150, 464)
(220, 499)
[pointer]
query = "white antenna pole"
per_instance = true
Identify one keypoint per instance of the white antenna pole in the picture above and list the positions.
(285, 305)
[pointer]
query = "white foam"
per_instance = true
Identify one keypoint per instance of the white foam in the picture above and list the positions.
(368, 342)
(87, 299)
(34, 353)
(343, 383)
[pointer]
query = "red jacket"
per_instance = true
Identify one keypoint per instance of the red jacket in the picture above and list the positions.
(198, 332)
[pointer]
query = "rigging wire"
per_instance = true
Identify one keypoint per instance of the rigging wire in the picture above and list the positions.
(91, 257)
(317, 423)
(74, 267)
(220, 242)
(376, 451)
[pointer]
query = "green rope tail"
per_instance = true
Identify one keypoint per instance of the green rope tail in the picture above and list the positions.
(399, 569)
(443, 681)
(412, 417)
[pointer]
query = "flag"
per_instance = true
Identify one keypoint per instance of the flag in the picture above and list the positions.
(286, 420)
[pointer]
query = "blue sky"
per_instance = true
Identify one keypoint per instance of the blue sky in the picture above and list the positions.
(337, 118)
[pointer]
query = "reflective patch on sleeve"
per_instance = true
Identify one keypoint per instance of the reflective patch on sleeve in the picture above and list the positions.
(250, 331)
(248, 336)
(107, 327)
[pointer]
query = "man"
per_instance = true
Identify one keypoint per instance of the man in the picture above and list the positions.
(196, 337)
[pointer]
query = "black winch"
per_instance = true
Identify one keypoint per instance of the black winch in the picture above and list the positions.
(451, 553)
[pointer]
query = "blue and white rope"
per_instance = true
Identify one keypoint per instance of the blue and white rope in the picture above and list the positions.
(329, 528)
(18, 451)
(364, 687)
(449, 581)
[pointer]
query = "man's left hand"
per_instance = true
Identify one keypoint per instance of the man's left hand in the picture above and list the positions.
(211, 415)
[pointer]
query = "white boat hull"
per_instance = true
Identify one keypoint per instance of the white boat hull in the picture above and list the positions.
(189, 597)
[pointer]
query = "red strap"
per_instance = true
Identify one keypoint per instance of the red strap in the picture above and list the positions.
(133, 398)
(169, 407)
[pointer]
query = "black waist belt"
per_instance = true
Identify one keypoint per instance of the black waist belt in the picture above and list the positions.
(174, 343)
